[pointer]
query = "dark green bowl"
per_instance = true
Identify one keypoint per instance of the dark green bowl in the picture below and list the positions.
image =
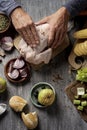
(5, 22)
(34, 92)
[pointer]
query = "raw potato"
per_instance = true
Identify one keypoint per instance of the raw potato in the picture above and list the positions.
(81, 48)
(30, 119)
(17, 103)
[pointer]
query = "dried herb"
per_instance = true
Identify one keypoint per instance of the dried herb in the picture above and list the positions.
(4, 21)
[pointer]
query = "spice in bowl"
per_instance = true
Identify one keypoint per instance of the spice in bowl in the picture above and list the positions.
(4, 22)
(17, 70)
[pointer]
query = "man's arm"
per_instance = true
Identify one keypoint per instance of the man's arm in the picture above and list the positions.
(74, 7)
(59, 20)
(21, 20)
(8, 6)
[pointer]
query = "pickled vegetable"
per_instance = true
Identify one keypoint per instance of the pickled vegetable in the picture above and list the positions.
(82, 75)
(80, 108)
(76, 102)
(84, 96)
(76, 97)
(84, 103)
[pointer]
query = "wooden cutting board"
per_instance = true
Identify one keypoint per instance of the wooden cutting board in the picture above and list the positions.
(71, 91)
(55, 52)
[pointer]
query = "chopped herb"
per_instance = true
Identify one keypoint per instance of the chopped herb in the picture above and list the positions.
(4, 21)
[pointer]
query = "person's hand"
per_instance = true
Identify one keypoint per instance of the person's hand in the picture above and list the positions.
(58, 26)
(25, 26)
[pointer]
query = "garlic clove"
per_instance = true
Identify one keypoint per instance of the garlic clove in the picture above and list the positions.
(3, 108)
(6, 43)
(30, 119)
(6, 39)
(7, 46)
(14, 74)
(10, 67)
(18, 64)
(24, 72)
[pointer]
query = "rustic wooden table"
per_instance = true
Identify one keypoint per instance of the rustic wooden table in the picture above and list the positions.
(62, 115)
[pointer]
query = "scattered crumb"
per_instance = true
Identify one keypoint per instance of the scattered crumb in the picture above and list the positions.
(56, 77)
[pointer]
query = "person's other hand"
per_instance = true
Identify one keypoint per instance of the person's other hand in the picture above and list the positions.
(58, 26)
(25, 26)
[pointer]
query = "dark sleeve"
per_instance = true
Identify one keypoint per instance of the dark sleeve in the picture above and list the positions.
(8, 6)
(75, 7)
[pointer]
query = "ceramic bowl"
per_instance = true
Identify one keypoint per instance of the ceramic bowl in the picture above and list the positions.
(4, 23)
(19, 80)
(34, 92)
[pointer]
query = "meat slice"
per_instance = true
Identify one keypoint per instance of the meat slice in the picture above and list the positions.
(26, 51)
(38, 54)
(43, 32)
(44, 56)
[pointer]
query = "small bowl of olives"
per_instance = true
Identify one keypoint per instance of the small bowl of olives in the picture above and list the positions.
(42, 94)
(17, 70)
(4, 22)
